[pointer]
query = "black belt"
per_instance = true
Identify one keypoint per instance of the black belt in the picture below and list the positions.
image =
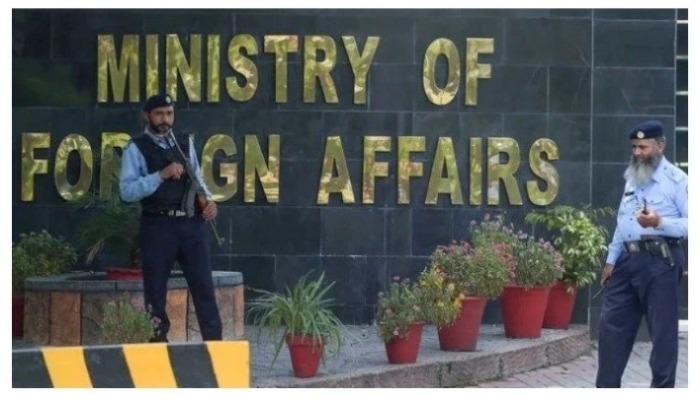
(635, 246)
(169, 213)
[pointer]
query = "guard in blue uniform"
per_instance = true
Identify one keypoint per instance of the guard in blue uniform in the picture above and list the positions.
(172, 226)
(645, 262)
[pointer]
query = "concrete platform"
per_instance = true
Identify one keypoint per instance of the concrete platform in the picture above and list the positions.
(363, 363)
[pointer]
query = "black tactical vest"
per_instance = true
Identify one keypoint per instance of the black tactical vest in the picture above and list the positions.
(170, 195)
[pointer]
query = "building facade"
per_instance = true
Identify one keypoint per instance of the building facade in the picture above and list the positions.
(348, 141)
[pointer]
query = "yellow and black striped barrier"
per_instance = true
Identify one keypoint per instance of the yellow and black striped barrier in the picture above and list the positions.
(152, 365)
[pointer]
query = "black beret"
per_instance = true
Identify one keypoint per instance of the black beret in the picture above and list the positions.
(647, 130)
(159, 100)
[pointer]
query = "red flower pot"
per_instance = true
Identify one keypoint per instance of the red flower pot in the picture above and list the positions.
(18, 316)
(123, 274)
(523, 311)
(463, 334)
(305, 353)
(404, 350)
(560, 305)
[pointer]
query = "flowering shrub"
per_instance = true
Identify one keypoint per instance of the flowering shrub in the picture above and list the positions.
(441, 298)
(481, 271)
(398, 308)
(492, 230)
(453, 261)
(489, 271)
(39, 254)
(528, 262)
(538, 263)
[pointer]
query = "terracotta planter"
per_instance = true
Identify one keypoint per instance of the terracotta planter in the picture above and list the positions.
(523, 311)
(123, 274)
(17, 316)
(463, 334)
(560, 305)
(306, 355)
(404, 350)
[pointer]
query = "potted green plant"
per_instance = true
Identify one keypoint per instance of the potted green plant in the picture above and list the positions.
(467, 277)
(124, 323)
(36, 255)
(111, 226)
(400, 319)
(302, 318)
(524, 299)
(581, 242)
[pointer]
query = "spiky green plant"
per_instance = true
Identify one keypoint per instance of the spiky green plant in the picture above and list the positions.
(302, 310)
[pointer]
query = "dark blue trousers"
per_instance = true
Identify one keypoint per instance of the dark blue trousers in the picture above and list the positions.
(641, 284)
(164, 239)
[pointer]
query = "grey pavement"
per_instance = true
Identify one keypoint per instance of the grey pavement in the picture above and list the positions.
(362, 361)
(581, 372)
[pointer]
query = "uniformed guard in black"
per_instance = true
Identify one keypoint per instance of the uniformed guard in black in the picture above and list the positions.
(154, 173)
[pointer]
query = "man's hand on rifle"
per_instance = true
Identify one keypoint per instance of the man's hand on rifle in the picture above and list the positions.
(210, 211)
(173, 170)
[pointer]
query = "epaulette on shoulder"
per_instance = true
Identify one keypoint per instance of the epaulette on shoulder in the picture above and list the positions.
(675, 173)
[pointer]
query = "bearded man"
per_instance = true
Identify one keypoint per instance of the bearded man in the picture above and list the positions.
(153, 172)
(645, 262)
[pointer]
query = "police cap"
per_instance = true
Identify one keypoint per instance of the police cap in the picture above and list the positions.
(647, 130)
(158, 100)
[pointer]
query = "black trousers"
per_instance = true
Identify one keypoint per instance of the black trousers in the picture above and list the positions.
(164, 239)
(641, 284)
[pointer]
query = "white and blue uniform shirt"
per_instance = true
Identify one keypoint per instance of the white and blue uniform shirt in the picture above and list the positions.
(666, 193)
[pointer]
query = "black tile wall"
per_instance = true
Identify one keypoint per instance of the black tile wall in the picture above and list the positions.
(611, 141)
(430, 228)
(404, 267)
(635, 14)
(569, 90)
(609, 193)
(516, 89)
(396, 36)
(31, 34)
(548, 42)
(352, 231)
(634, 43)
(638, 91)
(571, 13)
(580, 77)
(397, 86)
(291, 268)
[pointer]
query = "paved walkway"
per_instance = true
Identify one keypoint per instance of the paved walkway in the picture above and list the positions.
(581, 372)
(362, 361)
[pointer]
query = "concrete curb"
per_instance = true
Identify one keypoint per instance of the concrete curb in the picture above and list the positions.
(147, 365)
(363, 362)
